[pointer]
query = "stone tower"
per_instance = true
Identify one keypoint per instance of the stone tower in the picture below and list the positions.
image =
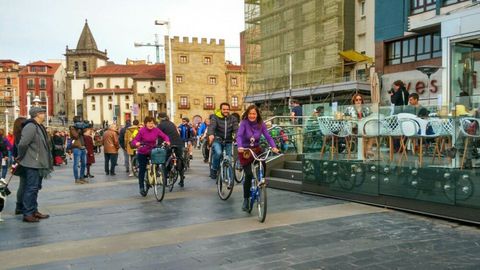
(80, 63)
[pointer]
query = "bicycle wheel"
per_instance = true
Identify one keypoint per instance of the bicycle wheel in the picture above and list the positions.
(239, 174)
(225, 181)
(262, 203)
(172, 178)
(159, 183)
(135, 166)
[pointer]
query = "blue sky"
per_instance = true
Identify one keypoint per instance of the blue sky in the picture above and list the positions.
(40, 30)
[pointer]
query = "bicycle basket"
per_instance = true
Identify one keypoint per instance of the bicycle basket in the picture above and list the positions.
(158, 155)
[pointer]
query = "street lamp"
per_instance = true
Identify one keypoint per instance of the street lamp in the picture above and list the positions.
(6, 121)
(428, 70)
(168, 23)
(29, 103)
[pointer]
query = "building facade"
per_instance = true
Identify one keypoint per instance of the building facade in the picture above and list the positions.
(80, 63)
(42, 80)
(9, 85)
(125, 92)
(235, 80)
(199, 77)
(308, 50)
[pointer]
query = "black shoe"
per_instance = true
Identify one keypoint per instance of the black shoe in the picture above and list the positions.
(213, 174)
(181, 184)
(113, 174)
(245, 206)
(90, 176)
(143, 192)
(107, 173)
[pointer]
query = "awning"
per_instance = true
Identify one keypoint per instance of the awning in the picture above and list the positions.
(355, 56)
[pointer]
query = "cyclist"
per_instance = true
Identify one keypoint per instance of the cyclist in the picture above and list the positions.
(147, 138)
(169, 128)
(248, 136)
(187, 134)
(221, 130)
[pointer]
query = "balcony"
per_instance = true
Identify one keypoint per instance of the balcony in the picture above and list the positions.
(184, 106)
(208, 106)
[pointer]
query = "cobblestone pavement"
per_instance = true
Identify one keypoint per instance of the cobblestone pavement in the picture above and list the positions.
(107, 225)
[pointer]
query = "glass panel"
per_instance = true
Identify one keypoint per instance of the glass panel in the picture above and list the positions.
(420, 43)
(428, 44)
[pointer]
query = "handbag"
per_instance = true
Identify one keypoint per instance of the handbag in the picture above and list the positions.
(246, 157)
(18, 169)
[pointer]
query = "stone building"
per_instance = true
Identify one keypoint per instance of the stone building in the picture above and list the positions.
(235, 80)
(9, 84)
(199, 80)
(80, 63)
(125, 92)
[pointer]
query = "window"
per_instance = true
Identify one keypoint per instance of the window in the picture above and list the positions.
(419, 6)
(84, 66)
(451, 2)
(183, 59)
(183, 102)
(9, 81)
(117, 86)
(179, 78)
(234, 81)
(110, 107)
(207, 60)
(43, 84)
(209, 102)
(92, 99)
(109, 98)
(127, 106)
(127, 97)
(31, 84)
(212, 79)
(234, 101)
(43, 96)
(362, 8)
(152, 89)
(99, 85)
(76, 66)
(93, 107)
(414, 49)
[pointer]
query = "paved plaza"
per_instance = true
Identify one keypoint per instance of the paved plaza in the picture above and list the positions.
(108, 225)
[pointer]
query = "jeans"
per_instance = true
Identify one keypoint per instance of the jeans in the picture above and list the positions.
(33, 183)
(20, 190)
(126, 159)
(112, 159)
(79, 155)
(142, 167)
(217, 153)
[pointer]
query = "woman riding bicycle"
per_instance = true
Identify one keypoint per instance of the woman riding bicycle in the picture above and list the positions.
(248, 136)
(147, 138)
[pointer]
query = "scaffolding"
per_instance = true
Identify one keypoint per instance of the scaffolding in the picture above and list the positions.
(293, 44)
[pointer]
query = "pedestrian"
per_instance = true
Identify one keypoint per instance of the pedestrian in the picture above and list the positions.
(77, 146)
(4, 146)
(296, 116)
(145, 141)
(110, 149)
(58, 148)
(87, 135)
(248, 137)
(398, 96)
(35, 157)
(17, 133)
(121, 141)
(130, 134)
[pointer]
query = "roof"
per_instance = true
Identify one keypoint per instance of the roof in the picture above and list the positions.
(232, 67)
(8, 61)
(51, 68)
(135, 71)
(86, 40)
(92, 91)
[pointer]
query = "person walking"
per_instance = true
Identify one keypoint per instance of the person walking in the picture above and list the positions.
(145, 141)
(121, 141)
(248, 136)
(87, 135)
(110, 149)
(77, 146)
(58, 148)
(17, 133)
(130, 134)
(34, 155)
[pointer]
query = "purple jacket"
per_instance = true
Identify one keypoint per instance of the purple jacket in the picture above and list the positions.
(248, 130)
(148, 137)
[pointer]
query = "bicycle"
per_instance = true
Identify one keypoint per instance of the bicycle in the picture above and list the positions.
(258, 190)
(172, 169)
(186, 158)
(225, 177)
(135, 164)
(239, 174)
(154, 174)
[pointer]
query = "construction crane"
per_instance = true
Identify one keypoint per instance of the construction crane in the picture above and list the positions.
(157, 46)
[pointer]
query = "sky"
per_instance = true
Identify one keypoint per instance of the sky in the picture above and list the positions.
(41, 30)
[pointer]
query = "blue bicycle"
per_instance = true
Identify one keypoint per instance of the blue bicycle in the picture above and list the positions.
(258, 191)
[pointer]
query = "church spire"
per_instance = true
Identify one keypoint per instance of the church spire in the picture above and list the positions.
(86, 41)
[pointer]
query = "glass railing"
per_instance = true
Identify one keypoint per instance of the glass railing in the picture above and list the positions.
(429, 153)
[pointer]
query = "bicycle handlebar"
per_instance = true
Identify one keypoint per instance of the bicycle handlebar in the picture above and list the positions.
(262, 156)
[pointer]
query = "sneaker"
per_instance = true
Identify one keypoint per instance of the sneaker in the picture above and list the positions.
(130, 175)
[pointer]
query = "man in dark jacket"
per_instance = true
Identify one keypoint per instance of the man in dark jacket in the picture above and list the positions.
(34, 155)
(399, 96)
(220, 134)
(169, 128)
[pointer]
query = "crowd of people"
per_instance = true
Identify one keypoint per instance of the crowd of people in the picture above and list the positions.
(34, 151)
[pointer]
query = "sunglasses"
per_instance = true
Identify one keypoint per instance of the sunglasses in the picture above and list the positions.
(358, 99)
